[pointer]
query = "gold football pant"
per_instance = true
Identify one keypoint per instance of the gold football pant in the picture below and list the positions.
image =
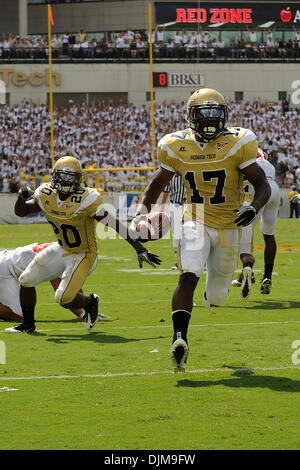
(53, 262)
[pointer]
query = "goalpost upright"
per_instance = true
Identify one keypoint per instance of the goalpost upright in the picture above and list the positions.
(50, 22)
(112, 169)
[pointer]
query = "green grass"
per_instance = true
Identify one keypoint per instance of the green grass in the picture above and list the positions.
(114, 388)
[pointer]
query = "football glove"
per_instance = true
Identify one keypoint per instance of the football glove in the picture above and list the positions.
(25, 192)
(245, 215)
(147, 257)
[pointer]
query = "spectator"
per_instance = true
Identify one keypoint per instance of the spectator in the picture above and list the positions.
(253, 36)
(94, 133)
(82, 36)
(293, 198)
(65, 43)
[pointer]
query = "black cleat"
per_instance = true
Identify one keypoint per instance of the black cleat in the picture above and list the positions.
(178, 354)
(22, 328)
(91, 312)
(246, 285)
(238, 282)
(265, 287)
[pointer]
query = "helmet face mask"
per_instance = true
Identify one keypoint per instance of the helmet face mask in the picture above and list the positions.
(67, 175)
(207, 114)
(66, 181)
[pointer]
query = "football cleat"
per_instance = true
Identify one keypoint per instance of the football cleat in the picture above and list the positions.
(238, 282)
(246, 284)
(22, 328)
(265, 287)
(178, 354)
(91, 312)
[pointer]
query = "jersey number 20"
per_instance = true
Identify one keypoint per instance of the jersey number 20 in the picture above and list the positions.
(65, 230)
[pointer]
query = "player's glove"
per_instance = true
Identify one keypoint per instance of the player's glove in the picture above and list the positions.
(147, 257)
(144, 255)
(245, 215)
(25, 192)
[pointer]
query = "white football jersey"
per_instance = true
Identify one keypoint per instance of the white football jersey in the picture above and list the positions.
(267, 167)
(16, 261)
(269, 171)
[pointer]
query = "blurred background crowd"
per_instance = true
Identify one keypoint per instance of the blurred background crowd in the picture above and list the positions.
(167, 44)
(109, 135)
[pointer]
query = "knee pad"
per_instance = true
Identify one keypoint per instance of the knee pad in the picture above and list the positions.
(26, 279)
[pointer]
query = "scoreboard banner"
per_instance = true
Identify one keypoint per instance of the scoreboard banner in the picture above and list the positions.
(232, 14)
(174, 79)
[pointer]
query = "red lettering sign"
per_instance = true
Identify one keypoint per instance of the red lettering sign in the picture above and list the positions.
(225, 15)
(201, 15)
(218, 15)
(236, 15)
(214, 15)
(247, 15)
(191, 15)
(180, 15)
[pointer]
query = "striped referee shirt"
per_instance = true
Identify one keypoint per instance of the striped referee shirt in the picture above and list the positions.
(176, 190)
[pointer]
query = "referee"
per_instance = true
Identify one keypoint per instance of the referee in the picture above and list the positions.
(176, 190)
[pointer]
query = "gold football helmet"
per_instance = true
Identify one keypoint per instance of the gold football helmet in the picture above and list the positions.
(207, 114)
(67, 175)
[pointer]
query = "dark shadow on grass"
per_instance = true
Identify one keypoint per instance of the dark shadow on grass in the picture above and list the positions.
(95, 337)
(245, 378)
(72, 321)
(268, 305)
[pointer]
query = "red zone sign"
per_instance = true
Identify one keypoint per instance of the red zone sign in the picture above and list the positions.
(214, 15)
(236, 14)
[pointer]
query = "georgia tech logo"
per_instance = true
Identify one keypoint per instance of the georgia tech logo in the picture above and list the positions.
(221, 145)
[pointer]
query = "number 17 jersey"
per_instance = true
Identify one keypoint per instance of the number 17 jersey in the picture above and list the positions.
(72, 219)
(211, 172)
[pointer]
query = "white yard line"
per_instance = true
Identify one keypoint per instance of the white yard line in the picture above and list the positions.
(146, 327)
(131, 374)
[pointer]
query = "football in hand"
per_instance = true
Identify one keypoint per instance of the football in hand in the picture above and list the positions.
(154, 227)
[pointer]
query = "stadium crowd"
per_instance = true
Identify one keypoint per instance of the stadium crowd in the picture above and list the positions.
(108, 135)
(173, 45)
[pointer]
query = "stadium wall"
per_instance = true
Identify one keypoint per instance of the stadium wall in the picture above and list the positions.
(31, 81)
(9, 16)
(94, 16)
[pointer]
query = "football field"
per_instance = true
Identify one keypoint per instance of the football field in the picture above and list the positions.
(113, 388)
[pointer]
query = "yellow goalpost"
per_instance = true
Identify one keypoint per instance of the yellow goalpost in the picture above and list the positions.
(99, 171)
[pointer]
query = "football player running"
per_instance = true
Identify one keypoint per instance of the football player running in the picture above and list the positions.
(268, 217)
(71, 209)
(212, 160)
(12, 263)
